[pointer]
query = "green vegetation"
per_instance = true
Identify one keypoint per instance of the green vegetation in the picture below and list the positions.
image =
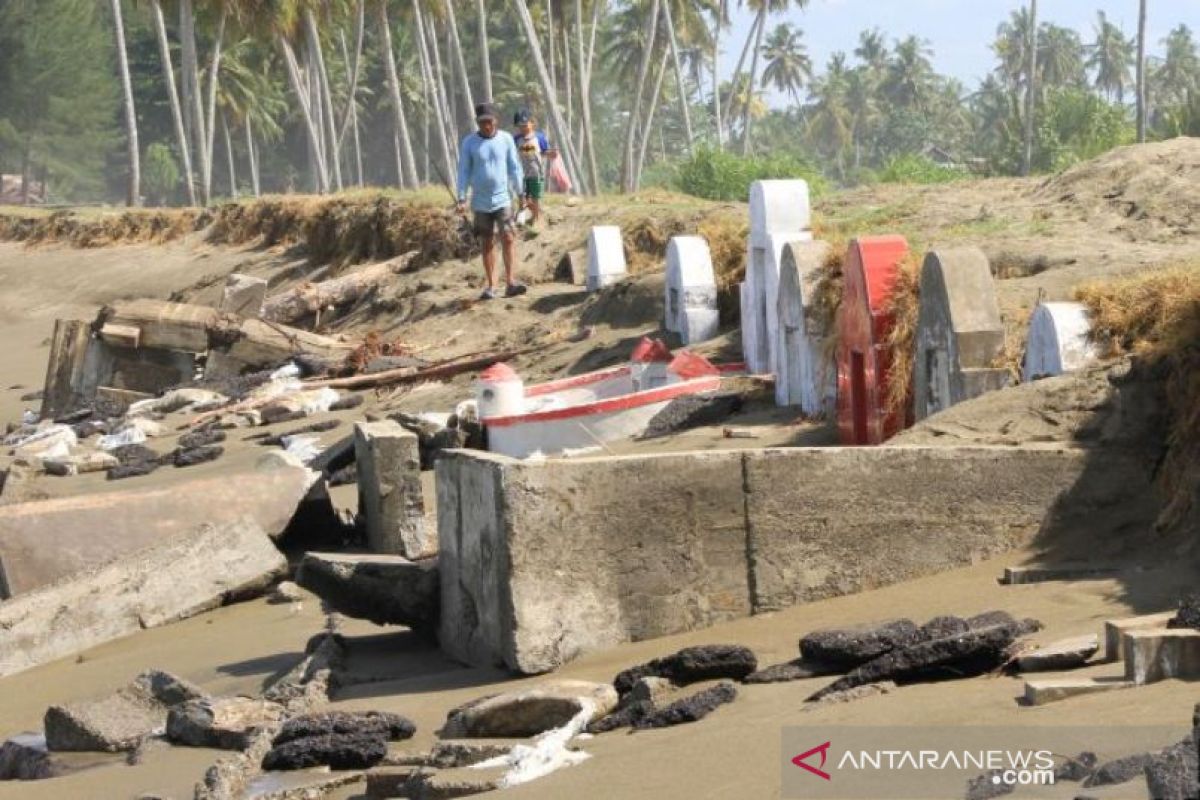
(913, 168)
(717, 175)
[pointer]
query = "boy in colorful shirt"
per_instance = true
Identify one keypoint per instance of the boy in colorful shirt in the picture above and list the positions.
(534, 149)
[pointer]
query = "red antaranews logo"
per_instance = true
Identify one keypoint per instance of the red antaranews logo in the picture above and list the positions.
(823, 749)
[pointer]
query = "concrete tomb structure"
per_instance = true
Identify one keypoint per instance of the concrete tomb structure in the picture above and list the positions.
(606, 257)
(1057, 341)
(243, 295)
(960, 335)
(390, 496)
(871, 269)
(542, 561)
(779, 214)
(691, 297)
(805, 376)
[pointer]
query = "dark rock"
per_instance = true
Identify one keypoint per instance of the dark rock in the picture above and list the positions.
(336, 456)
(623, 717)
(136, 459)
(1120, 770)
(850, 647)
(387, 590)
(1188, 615)
(333, 750)
(201, 438)
(689, 709)
(277, 440)
(693, 664)
(987, 619)
(25, 758)
(1174, 774)
(455, 754)
(1076, 769)
(942, 627)
(197, 455)
(694, 411)
(347, 402)
(791, 671)
(131, 470)
(371, 724)
(344, 476)
(89, 428)
(969, 653)
(985, 787)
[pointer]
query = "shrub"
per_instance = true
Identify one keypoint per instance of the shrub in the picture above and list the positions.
(160, 175)
(717, 175)
(915, 168)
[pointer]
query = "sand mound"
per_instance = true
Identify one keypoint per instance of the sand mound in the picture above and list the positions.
(1148, 190)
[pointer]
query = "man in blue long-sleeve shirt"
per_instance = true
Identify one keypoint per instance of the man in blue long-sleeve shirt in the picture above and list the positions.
(490, 167)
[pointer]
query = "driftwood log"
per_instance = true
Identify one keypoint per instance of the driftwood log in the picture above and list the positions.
(309, 298)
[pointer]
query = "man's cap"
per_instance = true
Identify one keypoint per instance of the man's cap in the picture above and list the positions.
(486, 111)
(522, 116)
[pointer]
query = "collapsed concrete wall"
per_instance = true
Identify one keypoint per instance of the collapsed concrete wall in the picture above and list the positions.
(543, 562)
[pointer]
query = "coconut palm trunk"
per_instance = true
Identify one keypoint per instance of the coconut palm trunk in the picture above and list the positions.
(407, 168)
(1030, 89)
(650, 109)
(567, 150)
(325, 97)
(213, 78)
(484, 58)
(445, 143)
(252, 157)
(459, 60)
(233, 190)
(164, 47)
(716, 81)
(747, 116)
(628, 164)
(307, 113)
(443, 91)
(1141, 72)
(351, 115)
(723, 122)
(585, 101)
(134, 191)
(193, 103)
(597, 7)
(683, 94)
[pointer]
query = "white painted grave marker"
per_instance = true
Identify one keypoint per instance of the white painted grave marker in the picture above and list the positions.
(606, 257)
(691, 290)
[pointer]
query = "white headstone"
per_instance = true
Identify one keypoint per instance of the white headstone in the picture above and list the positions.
(807, 376)
(1058, 341)
(760, 326)
(606, 257)
(691, 290)
(778, 206)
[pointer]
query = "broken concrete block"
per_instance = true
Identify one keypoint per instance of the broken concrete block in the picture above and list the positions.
(453, 783)
(1115, 630)
(1058, 341)
(389, 781)
(243, 295)
(1063, 654)
(960, 336)
(1174, 773)
(389, 489)
(80, 463)
(454, 754)
(1041, 692)
(606, 257)
(387, 590)
(1120, 770)
(171, 579)
(223, 723)
(573, 268)
(121, 720)
(44, 542)
(119, 400)
(692, 665)
(66, 368)
(691, 290)
(1154, 655)
(529, 712)
(1188, 615)
(689, 709)
(306, 785)
(129, 336)
(25, 757)
(165, 325)
(806, 369)
(1014, 576)
(851, 647)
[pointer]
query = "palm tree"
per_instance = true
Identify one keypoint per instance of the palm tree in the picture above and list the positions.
(720, 18)
(1059, 58)
(910, 75)
(484, 56)
(668, 18)
(648, 39)
(859, 99)
(1030, 88)
(872, 50)
(789, 69)
(134, 194)
(407, 168)
(831, 123)
(1180, 70)
(1141, 72)
(164, 47)
(764, 8)
(1111, 56)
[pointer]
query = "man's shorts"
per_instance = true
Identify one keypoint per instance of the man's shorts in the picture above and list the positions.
(534, 187)
(487, 222)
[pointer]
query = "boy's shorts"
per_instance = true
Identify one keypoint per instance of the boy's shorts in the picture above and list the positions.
(534, 187)
(488, 222)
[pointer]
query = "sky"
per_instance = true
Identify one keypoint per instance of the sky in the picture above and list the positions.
(959, 31)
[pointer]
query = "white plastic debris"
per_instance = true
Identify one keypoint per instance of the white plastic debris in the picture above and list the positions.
(289, 370)
(152, 429)
(28, 417)
(547, 754)
(317, 401)
(49, 441)
(176, 400)
(304, 448)
(467, 411)
(127, 436)
(577, 452)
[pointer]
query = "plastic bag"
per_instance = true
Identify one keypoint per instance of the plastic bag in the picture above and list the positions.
(558, 180)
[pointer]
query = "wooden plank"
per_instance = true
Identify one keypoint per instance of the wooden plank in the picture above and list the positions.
(64, 369)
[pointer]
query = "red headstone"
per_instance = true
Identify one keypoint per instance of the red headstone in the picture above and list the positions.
(863, 363)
